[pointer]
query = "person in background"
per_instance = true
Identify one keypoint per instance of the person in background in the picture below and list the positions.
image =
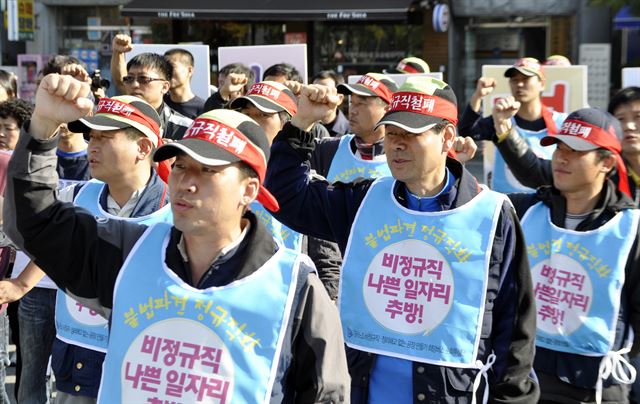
(8, 85)
(523, 113)
(147, 76)
(180, 96)
(409, 65)
(337, 123)
(234, 80)
(557, 60)
(13, 114)
(288, 75)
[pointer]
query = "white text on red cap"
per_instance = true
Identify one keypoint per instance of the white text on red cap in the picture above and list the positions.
(575, 129)
(215, 132)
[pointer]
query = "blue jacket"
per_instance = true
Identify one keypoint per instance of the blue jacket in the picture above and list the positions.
(76, 367)
(312, 206)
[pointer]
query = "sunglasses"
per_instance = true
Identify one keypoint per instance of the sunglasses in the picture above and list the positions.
(142, 80)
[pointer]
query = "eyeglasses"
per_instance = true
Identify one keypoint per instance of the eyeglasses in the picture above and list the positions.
(142, 80)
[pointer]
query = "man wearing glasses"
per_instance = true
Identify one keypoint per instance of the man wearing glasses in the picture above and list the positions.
(148, 76)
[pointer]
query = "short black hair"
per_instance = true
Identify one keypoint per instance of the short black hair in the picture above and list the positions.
(18, 109)
(152, 61)
(9, 82)
(57, 62)
(183, 53)
(328, 74)
(624, 96)
(236, 68)
(247, 171)
(284, 69)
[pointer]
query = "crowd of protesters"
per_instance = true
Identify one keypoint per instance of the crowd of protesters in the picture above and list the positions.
(315, 243)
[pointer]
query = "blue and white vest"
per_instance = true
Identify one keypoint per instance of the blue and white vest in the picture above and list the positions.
(413, 284)
(346, 167)
(281, 233)
(76, 324)
(171, 342)
(578, 278)
(503, 179)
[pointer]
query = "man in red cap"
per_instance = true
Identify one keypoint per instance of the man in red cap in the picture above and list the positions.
(523, 113)
(360, 153)
(582, 244)
(208, 309)
(435, 292)
(122, 135)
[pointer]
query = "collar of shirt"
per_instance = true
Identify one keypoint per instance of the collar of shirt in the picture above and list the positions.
(226, 253)
(114, 209)
(428, 204)
(368, 151)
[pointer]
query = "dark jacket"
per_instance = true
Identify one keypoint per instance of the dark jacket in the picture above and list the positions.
(339, 126)
(312, 206)
(78, 370)
(84, 256)
(174, 124)
(582, 371)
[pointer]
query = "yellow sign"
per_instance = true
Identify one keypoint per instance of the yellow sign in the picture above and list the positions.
(26, 22)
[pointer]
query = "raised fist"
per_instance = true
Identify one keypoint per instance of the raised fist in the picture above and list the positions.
(59, 99)
(121, 44)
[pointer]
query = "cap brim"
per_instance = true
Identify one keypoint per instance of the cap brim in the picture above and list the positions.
(357, 89)
(510, 71)
(574, 142)
(410, 121)
(100, 122)
(200, 150)
(211, 155)
(267, 199)
(263, 104)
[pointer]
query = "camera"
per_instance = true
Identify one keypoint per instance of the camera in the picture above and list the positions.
(98, 82)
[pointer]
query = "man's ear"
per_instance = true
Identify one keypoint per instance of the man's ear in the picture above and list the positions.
(448, 137)
(249, 190)
(608, 164)
(145, 148)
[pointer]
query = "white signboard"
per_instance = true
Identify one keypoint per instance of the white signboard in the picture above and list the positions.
(399, 78)
(598, 57)
(201, 73)
(261, 57)
(631, 77)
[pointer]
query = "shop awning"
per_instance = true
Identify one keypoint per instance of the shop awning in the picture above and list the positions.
(271, 10)
(625, 19)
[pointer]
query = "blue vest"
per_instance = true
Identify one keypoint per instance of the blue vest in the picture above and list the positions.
(174, 343)
(503, 179)
(413, 284)
(281, 233)
(75, 323)
(346, 167)
(567, 268)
